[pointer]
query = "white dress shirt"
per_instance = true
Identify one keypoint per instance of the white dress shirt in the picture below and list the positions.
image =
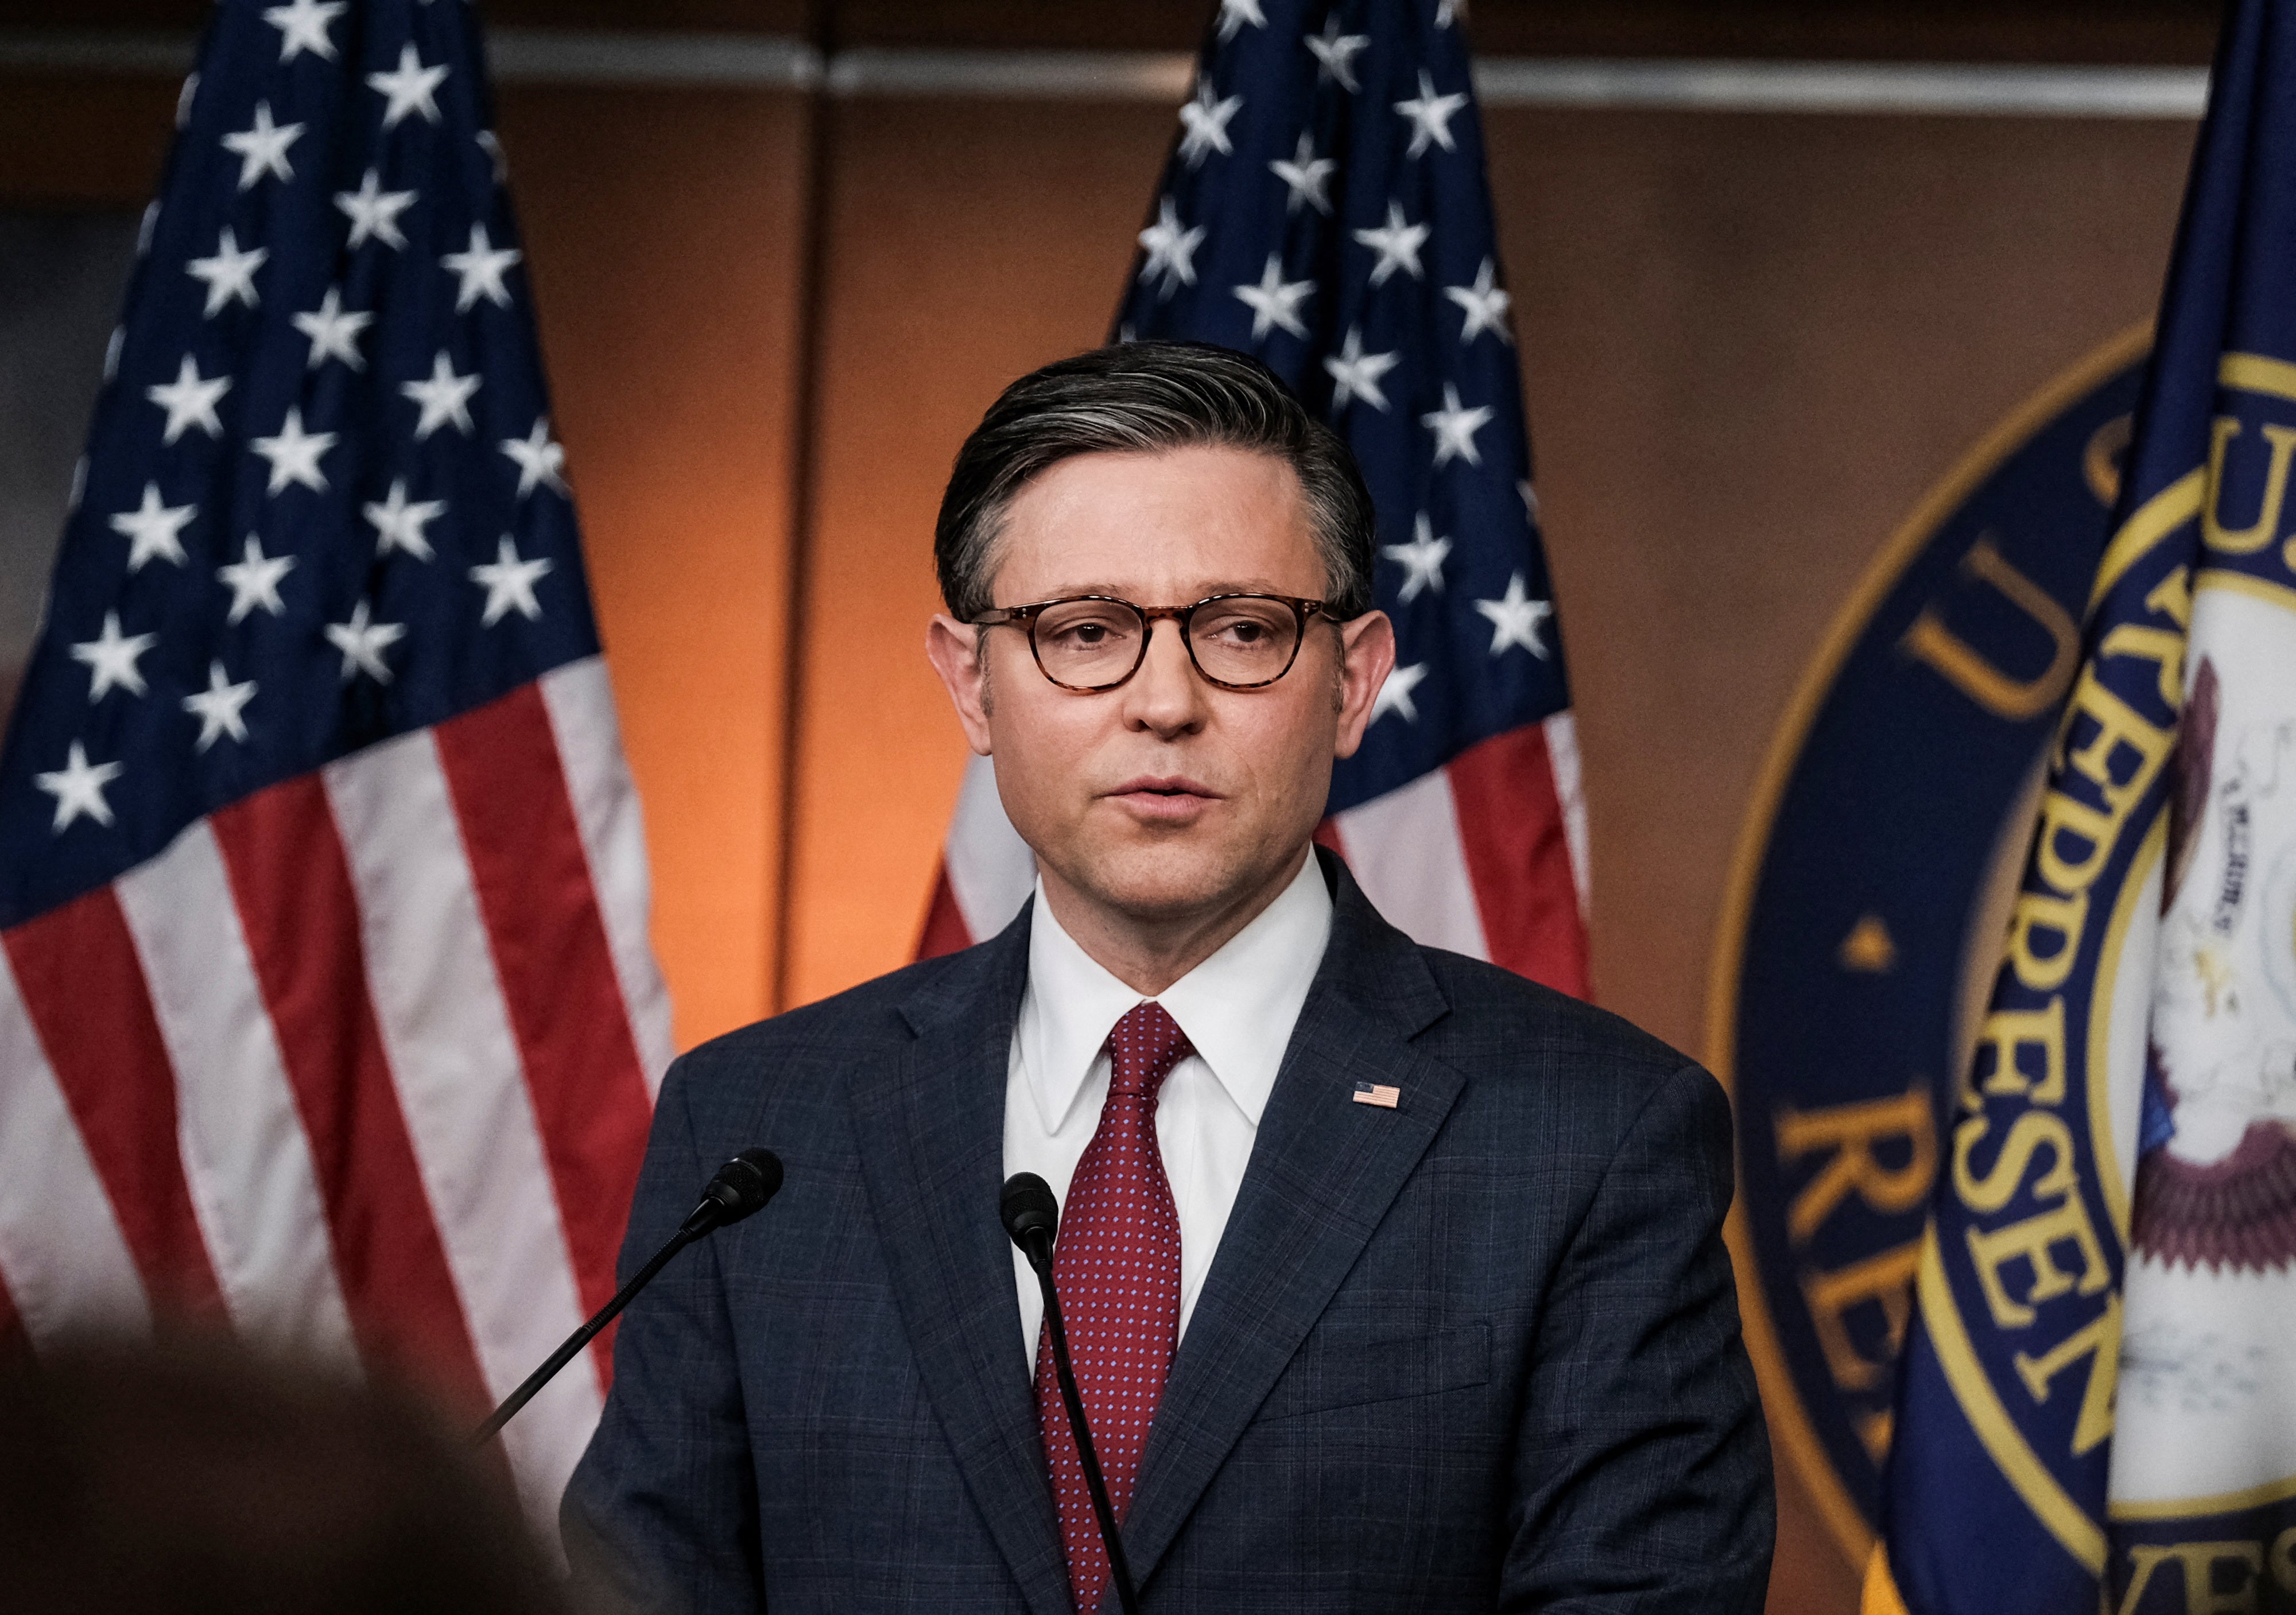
(1238, 1008)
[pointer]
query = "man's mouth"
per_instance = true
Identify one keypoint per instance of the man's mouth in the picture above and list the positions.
(1164, 796)
(1163, 785)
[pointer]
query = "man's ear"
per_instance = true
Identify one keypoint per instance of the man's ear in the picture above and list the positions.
(958, 655)
(1366, 656)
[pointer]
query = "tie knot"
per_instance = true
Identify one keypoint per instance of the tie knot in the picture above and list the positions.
(1142, 1050)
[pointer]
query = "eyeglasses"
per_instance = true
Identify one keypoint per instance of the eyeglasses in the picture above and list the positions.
(1090, 643)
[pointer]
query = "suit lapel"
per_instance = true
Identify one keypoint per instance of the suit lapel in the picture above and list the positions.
(1322, 1172)
(930, 1127)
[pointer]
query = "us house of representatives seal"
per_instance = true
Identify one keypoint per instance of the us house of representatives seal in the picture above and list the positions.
(1863, 921)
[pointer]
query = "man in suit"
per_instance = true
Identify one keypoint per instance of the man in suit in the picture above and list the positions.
(1476, 1350)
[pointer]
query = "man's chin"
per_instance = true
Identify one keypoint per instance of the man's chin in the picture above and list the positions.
(1169, 882)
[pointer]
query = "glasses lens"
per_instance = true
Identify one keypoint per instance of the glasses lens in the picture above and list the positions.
(1244, 640)
(1087, 642)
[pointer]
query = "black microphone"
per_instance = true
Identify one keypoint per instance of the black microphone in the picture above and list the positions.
(741, 1188)
(1031, 1217)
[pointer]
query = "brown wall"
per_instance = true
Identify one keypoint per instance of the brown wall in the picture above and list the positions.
(1748, 344)
(672, 325)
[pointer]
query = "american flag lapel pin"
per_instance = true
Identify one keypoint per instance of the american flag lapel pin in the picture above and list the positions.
(1378, 1094)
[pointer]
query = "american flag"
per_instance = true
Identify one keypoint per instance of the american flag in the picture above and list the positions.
(1326, 208)
(326, 1007)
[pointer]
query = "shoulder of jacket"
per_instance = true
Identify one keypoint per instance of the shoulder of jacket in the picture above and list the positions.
(1494, 1007)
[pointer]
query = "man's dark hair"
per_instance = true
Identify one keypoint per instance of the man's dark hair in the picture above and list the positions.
(196, 1476)
(1146, 397)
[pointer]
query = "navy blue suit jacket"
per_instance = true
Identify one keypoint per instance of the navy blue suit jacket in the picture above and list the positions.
(1477, 1352)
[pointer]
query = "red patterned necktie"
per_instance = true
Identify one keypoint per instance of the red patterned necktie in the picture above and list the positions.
(1117, 1267)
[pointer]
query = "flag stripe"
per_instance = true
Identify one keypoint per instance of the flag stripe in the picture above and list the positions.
(945, 930)
(244, 1152)
(1515, 841)
(1404, 852)
(292, 886)
(583, 722)
(448, 1041)
(12, 1337)
(113, 1072)
(556, 969)
(990, 869)
(1562, 757)
(66, 1260)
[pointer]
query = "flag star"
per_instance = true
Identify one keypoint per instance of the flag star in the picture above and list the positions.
(1486, 305)
(1431, 116)
(538, 459)
(1514, 619)
(1396, 242)
(1395, 693)
(1206, 122)
(508, 583)
(1357, 373)
(1275, 301)
(111, 351)
(110, 658)
(481, 269)
(303, 27)
(398, 523)
(1529, 501)
(262, 147)
(190, 400)
(253, 580)
(1335, 53)
(1171, 250)
(294, 454)
(409, 89)
(218, 708)
(1455, 427)
(229, 274)
(1235, 14)
(1448, 11)
(373, 212)
(1423, 559)
(492, 147)
(1304, 177)
(145, 226)
(445, 396)
(78, 787)
(79, 486)
(334, 334)
(362, 641)
(184, 98)
(154, 530)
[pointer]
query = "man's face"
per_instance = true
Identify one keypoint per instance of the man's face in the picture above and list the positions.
(1165, 798)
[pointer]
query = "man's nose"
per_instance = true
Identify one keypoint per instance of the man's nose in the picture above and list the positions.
(1164, 695)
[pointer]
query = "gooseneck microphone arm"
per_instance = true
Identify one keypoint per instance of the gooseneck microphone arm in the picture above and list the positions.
(741, 1187)
(1031, 1217)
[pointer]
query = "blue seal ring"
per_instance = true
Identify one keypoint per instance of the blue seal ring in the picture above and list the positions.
(1861, 928)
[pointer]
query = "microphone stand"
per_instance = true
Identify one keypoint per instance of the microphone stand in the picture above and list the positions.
(742, 1185)
(580, 1338)
(1037, 1248)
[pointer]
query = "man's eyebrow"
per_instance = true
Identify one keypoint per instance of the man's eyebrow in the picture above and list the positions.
(1256, 586)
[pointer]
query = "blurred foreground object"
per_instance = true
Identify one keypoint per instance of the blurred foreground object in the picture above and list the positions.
(327, 1010)
(1326, 211)
(2099, 1390)
(198, 1477)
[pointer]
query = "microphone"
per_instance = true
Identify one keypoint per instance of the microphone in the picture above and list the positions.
(1031, 1217)
(743, 1186)
(741, 1189)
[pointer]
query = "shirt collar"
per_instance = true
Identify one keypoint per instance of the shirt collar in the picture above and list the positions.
(1237, 1007)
